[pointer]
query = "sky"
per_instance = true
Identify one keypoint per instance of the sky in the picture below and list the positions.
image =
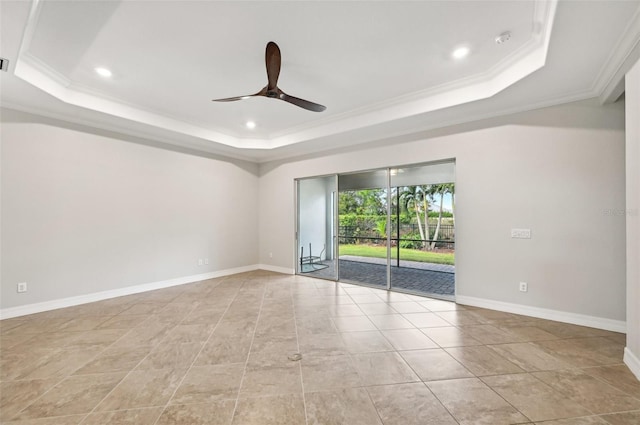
(446, 203)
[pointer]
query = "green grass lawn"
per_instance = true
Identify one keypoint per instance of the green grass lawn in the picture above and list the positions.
(405, 254)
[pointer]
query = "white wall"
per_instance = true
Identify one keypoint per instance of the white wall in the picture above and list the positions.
(84, 212)
(632, 213)
(558, 171)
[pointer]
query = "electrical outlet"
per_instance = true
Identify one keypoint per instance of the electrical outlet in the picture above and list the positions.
(524, 287)
(22, 287)
(271, 255)
(199, 261)
(206, 261)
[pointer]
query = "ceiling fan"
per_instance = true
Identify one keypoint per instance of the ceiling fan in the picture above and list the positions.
(272, 59)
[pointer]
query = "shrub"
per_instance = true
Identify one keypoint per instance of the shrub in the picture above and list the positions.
(434, 214)
(413, 244)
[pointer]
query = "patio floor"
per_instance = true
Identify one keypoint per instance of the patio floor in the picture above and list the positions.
(427, 278)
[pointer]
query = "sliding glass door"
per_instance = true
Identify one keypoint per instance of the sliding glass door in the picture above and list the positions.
(390, 228)
(315, 233)
(423, 254)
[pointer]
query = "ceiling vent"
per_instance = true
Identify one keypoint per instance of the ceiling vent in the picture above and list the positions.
(503, 38)
(4, 64)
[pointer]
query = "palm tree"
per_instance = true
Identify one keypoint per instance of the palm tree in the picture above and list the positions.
(425, 201)
(452, 190)
(414, 198)
(440, 189)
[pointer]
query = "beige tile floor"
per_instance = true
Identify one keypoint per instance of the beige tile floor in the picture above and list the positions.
(217, 352)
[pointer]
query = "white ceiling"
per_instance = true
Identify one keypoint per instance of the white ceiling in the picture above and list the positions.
(382, 68)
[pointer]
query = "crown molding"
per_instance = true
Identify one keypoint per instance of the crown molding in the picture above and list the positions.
(358, 141)
(609, 84)
(277, 155)
(194, 145)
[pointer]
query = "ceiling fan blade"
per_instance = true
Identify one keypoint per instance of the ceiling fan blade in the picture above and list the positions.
(262, 92)
(310, 106)
(272, 60)
(233, 99)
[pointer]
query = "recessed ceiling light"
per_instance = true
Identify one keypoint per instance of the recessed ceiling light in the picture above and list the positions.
(250, 124)
(103, 72)
(460, 52)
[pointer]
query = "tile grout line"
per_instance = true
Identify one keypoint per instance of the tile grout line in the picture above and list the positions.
(246, 362)
(484, 383)
(414, 371)
(476, 377)
(80, 367)
(57, 349)
(262, 311)
(131, 370)
(41, 395)
(479, 378)
(167, 404)
(395, 350)
(559, 392)
(602, 380)
(350, 355)
(427, 386)
(137, 364)
(441, 403)
(295, 322)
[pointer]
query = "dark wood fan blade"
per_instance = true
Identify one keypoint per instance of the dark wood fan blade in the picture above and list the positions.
(262, 92)
(310, 106)
(233, 99)
(272, 60)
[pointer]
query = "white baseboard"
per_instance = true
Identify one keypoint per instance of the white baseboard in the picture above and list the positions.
(632, 362)
(543, 313)
(23, 310)
(276, 269)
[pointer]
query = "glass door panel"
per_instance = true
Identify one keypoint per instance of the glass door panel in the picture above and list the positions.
(316, 237)
(423, 241)
(362, 234)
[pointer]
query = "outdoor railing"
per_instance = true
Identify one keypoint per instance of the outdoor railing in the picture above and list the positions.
(353, 240)
(446, 232)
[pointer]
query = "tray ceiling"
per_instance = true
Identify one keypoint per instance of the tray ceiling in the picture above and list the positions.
(375, 65)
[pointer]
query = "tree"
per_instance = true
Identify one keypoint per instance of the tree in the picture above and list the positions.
(440, 189)
(374, 201)
(362, 202)
(425, 201)
(453, 204)
(347, 203)
(415, 198)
